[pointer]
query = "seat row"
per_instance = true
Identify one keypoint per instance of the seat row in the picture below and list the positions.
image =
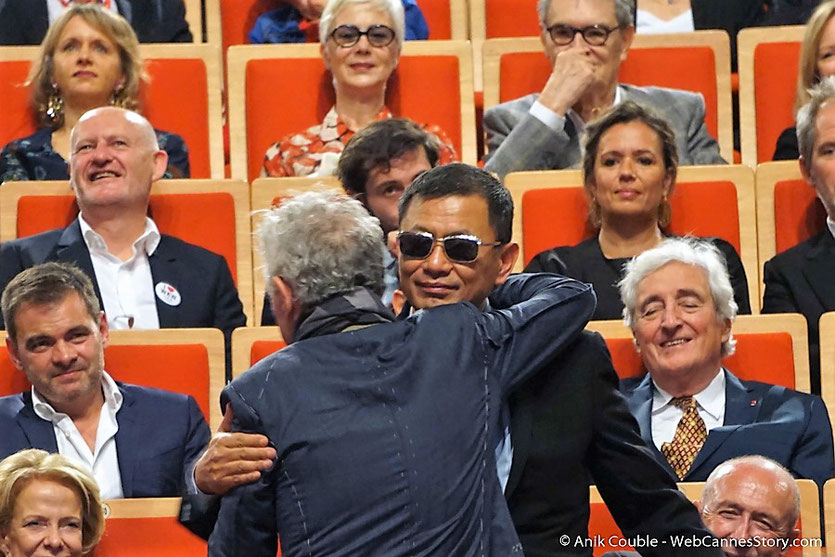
(274, 90)
(760, 213)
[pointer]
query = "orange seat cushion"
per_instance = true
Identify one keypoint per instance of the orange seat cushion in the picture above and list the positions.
(510, 18)
(148, 537)
(774, 93)
(203, 219)
(798, 213)
(177, 368)
(16, 119)
(558, 216)
(766, 357)
(263, 348)
(416, 79)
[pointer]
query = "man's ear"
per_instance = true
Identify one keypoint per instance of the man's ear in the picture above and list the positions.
(628, 35)
(801, 162)
(104, 329)
(507, 259)
(14, 355)
(282, 296)
(698, 505)
(160, 164)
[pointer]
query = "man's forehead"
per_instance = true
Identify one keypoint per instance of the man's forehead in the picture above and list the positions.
(599, 9)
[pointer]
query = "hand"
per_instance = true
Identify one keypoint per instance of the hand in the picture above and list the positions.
(574, 72)
(232, 459)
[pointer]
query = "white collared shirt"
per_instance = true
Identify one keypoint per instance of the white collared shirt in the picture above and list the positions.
(55, 8)
(710, 403)
(103, 461)
(557, 122)
(127, 287)
(831, 225)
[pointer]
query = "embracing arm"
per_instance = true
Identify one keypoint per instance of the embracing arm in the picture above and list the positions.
(533, 318)
(198, 437)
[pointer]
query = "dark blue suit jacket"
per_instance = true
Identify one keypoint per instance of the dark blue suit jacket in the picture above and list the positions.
(160, 436)
(386, 435)
(25, 22)
(785, 425)
(208, 294)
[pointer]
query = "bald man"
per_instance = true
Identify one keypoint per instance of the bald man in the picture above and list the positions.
(143, 279)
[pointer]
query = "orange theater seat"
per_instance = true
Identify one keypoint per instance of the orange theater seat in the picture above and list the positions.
(252, 344)
(189, 361)
(770, 348)
(147, 528)
(193, 113)
(432, 84)
(768, 65)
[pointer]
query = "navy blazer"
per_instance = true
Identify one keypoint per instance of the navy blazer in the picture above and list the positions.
(386, 435)
(785, 425)
(207, 291)
(802, 280)
(24, 22)
(160, 436)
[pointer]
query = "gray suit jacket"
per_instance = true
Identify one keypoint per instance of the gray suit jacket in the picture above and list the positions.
(516, 140)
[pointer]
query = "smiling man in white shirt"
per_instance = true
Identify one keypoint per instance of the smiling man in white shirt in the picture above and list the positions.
(137, 442)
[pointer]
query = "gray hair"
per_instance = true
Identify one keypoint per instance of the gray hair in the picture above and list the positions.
(624, 12)
(690, 251)
(323, 244)
(759, 461)
(394, 8)
(819, 95)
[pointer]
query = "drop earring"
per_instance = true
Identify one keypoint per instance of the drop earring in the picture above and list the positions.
(54, 105)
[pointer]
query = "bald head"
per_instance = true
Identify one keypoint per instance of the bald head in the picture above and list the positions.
(112, 114)
(751, 497)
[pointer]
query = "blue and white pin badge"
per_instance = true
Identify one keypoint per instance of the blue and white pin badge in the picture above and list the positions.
(167, 293)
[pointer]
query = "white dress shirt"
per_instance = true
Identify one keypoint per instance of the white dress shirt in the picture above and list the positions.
(710, 403)
(103, 461)
(55, 8)
(831, 225)
(557, 122)
(647, 22)
(127, 287)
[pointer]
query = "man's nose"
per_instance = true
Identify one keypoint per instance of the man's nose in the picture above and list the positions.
(64, 353)
(437, 262)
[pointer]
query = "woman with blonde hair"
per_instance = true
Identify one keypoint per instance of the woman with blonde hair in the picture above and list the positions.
(48, 505)
(817, 60)
(89, 58)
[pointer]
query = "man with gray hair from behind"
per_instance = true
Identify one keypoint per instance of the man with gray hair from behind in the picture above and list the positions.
(384, 430)
(679, 303)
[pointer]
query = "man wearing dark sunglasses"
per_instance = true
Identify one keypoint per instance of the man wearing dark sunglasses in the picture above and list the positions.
(585, 42)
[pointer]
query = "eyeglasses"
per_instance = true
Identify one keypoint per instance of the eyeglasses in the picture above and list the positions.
(595, 35)
(349, 35)
(461, 248)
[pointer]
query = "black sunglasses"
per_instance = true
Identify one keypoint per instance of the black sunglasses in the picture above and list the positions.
(461, 248)
(595, 35)
(349, 35)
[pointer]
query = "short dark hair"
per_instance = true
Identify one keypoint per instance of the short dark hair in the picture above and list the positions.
(44, 284)
(376, 145)
(463, 179)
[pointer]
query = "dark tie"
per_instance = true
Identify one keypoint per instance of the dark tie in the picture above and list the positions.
(689, 437)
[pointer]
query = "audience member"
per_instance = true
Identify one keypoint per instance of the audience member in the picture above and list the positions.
(630, 165)
(362, 482)
(89, 58)
(144, 280)
(679, 304)
(663, 16)
(136, 442)
(751, 502)
(360, 44)
(25, 22)
(817, 60)
(568, 422)
(297, 21)
(48, 506)
(586, 43)
(800, 280)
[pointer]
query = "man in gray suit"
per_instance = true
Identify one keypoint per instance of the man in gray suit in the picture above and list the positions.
(586, 43)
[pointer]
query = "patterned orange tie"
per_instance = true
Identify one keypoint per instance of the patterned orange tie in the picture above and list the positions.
(689, 437)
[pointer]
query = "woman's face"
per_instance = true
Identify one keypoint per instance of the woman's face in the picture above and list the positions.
(826, 50)
(629, 174)
(86, 65)
(361, 66)
(46, 522)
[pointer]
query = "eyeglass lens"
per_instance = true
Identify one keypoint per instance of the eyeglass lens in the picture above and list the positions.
(457, 248)
(349, 35)
(595, 35)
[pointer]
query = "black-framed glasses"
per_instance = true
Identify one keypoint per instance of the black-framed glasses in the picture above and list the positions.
(595, 35)
(461, 248)
(349, 35)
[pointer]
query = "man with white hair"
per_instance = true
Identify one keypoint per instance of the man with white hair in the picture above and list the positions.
(385, 431)
(697, 414)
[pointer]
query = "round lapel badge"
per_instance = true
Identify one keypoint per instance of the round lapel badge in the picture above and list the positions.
(167, 293)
